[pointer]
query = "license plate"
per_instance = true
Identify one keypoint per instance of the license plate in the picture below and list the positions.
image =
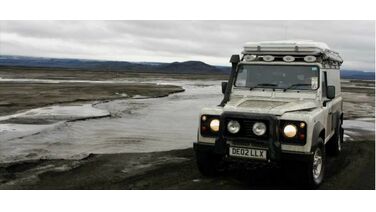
(247, 153)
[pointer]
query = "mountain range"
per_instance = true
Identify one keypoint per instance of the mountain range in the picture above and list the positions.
(187, 67)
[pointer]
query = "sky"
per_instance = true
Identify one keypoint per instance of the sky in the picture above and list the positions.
(212, 42)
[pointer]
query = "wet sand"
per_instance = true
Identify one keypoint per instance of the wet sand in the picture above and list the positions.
(16, 96)
(358, 99)
(176, 169)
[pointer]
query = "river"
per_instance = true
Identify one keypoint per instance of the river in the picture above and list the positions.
(139, 124)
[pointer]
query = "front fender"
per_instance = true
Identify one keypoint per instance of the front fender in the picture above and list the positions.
(317, 129)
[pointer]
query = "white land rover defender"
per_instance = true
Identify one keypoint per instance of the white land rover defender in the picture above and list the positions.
(282, 105)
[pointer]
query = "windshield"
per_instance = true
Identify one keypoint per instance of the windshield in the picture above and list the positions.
(278, 76)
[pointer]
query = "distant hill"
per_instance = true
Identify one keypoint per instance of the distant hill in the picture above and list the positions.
(351, 74)
(188, 67)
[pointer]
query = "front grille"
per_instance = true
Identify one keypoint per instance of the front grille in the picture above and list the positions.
(246, 129)
(245, 136)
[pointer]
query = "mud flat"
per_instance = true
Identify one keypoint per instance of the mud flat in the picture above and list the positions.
(359, 99)
(69, 74)
(175, 169)
(18, 96)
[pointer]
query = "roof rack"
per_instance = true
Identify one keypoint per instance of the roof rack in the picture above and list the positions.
(302, 47)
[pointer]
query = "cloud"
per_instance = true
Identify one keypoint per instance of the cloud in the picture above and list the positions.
(210, 41)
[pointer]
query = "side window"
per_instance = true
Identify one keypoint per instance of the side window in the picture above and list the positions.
(241, 78)
(324, 84)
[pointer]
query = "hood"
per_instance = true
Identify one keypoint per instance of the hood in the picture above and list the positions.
(275, 107)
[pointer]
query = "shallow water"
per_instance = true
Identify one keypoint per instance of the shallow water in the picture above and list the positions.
(59, 112)
(49, 81)
(45, 118)
(360, 124)
(359, 129)
(136, 125)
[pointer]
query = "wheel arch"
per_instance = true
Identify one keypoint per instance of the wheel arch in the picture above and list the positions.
(337, 118)
(318, 132)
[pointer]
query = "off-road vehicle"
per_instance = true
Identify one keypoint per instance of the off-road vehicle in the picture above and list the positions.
(282, 105)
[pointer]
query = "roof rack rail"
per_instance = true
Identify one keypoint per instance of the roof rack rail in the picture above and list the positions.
(292, 48)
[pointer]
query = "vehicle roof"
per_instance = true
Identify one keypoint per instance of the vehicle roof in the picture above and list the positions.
(288, 44)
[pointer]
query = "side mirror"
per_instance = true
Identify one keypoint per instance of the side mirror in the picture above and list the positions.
(224, 87)
(331, 92)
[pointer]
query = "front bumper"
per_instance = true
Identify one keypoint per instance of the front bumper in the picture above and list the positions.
(203, 147)
(270, 142)
(285, 156)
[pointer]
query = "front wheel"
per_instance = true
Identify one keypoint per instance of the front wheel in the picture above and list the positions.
(314, 168)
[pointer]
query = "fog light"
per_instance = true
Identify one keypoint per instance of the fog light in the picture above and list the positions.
(233, 127)
(310, 59)
(250, 57)
(259, 128)
(214, 125)
(268, 58)
(288, 58)
(290, 131)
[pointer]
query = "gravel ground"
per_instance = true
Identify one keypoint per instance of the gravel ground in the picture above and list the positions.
(353, 169)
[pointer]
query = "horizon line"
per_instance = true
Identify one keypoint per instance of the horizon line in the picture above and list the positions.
(108, 60)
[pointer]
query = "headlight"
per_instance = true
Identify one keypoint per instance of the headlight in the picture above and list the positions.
(209, 125)
(290, 130)
(214, 125)
(233, 126)
(259, 128)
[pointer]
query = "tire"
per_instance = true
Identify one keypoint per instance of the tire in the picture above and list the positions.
(300, 173)
(209, 164)
(334, 146)
(314, 168)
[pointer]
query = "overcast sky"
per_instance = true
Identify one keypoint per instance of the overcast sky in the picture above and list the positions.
(167, 41)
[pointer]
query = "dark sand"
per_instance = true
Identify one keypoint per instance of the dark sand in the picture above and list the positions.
(353, 169)
(63, 73)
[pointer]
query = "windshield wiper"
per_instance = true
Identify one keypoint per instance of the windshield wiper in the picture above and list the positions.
(261, 85)
(296, 85)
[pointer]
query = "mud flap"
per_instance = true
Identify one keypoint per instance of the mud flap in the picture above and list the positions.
(220, 146)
